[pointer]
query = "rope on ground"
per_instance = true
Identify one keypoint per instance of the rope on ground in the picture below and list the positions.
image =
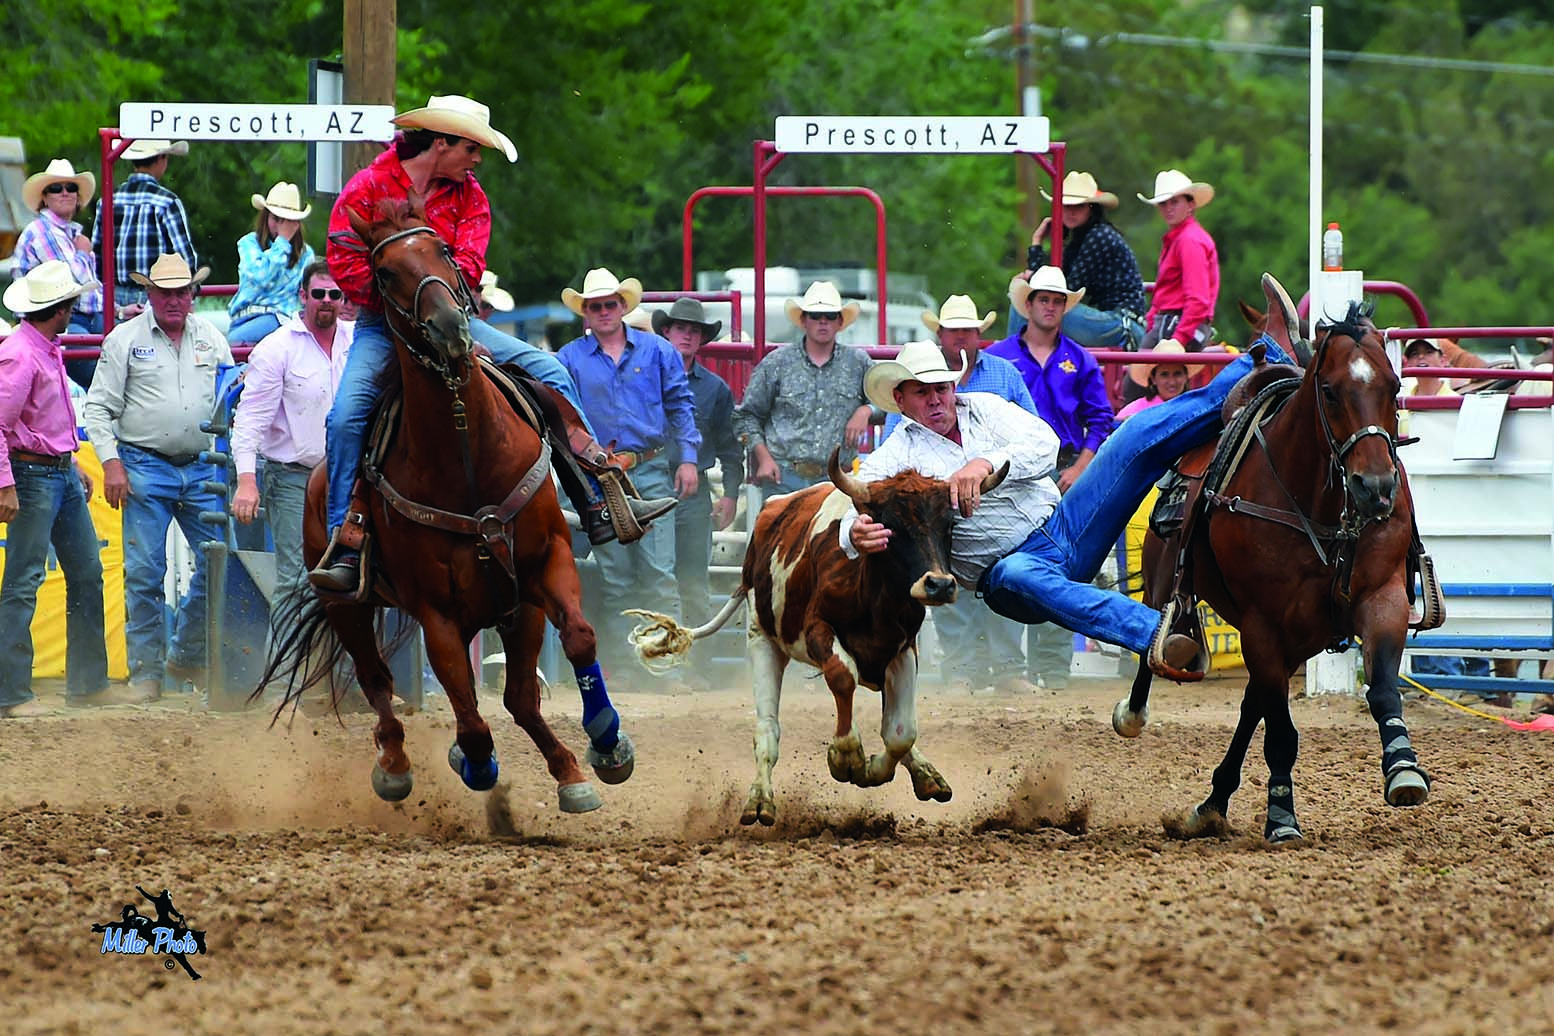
(1454, 704)
(661, 642)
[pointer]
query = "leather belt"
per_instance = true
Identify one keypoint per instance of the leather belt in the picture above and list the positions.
(628, 459)
(48, 460)
(807, 468)
(177, 460)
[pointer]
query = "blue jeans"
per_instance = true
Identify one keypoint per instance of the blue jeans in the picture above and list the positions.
(640, 575)
(81, 371)
(791, 482)
(52, 511)
(285, 491)
(1048, 578)
(977, 644)
(1093, 328)
(161, 494)
(362, 382)
(253, 328)
(693, 553)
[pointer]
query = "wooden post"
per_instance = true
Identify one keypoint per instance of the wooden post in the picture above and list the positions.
(370, 52)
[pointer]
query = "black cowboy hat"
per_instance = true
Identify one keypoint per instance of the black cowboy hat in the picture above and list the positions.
(686, 311)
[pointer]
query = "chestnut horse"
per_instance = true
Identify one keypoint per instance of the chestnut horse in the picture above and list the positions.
(469, 536)
(1306, 546)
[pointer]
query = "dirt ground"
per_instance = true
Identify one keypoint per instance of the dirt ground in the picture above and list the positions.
(1045, 898)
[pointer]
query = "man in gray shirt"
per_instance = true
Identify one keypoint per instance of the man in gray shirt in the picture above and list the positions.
(805, 399)
(155, 384)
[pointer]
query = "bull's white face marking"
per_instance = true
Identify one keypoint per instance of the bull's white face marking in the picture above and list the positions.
(1360, 370)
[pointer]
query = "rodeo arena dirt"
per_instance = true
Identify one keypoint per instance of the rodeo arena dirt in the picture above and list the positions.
(202, 866)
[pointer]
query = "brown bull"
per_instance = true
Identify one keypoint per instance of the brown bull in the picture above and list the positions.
(854, 619)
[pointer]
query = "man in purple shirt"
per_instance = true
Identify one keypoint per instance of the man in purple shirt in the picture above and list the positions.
(1070, 395)
(43, 500)
(636, 397)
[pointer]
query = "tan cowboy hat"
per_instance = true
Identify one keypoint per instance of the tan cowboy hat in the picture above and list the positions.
(141, 150)
(59, 171)
(601, 283)
(1171, 182)
(499, 299)
(917, 361)
(1048, 278)
(687, 311)
(640, 318)
(170, 271)
(461, 117)
(1081, 189)
(284, 200)
(1140, 372)
(45, 284)
(822, 297)
(957, 312)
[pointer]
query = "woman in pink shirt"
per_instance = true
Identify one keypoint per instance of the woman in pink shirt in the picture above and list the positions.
(1162, 380)
(1187, 281)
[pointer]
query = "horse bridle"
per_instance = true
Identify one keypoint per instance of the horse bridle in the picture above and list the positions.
(459, 292)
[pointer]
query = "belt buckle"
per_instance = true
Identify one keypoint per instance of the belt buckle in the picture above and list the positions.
(625, 459)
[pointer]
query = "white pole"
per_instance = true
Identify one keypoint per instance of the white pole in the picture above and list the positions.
(1316, 223)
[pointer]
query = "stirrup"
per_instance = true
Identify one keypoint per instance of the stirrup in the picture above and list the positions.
(351, 535)
(616, 501)
(1432, 611)
(1156, 655)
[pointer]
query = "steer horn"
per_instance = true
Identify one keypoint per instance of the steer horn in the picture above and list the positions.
(995, 478)
(845, 481)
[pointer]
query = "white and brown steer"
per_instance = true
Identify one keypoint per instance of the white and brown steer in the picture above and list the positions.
(854, 619)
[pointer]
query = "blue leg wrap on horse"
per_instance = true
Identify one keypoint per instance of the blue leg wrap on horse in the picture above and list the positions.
(600, 719)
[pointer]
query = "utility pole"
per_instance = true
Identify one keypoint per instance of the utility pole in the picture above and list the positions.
(1026, 96)
(369, 47)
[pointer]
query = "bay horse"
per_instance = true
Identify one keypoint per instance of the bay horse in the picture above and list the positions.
(469, 536)
(1306, 546)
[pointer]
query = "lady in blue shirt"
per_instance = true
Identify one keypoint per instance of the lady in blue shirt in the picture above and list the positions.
(270, 262)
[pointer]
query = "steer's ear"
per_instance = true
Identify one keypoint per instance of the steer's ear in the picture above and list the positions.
(846, 481)
(995, 478)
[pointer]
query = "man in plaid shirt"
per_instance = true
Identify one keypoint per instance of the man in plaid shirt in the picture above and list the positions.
(148, 221)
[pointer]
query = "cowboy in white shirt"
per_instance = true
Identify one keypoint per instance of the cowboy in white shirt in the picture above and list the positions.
(288, 389)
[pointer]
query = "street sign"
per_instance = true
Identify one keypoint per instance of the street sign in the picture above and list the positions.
(341, 122)
(911, 135)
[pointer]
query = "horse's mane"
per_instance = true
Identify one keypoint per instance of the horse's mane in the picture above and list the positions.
(1356, 323)
(396, 211)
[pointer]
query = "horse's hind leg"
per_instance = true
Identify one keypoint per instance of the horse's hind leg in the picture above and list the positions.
(353, 624)
(1209, 817)
(1132, 713)
(521, 642)
(472, 754)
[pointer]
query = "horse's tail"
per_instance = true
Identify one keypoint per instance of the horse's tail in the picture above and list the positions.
(663, 643)
(306, 654)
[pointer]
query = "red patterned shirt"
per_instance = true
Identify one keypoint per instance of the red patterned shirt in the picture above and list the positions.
(459, 212)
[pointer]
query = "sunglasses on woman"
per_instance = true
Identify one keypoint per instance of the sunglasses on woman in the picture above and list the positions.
(62, 188)
(332, 294)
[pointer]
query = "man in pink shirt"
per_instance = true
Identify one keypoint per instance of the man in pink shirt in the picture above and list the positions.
(43, 500)
(287, 392)
(1187, 282)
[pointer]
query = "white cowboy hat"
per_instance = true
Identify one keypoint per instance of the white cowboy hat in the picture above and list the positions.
(822, 297)
(957, 312)
(601, 283)
(45, 284)
(1048, 278)
(1171, 182)
(59, 171)
(141, 150)
(170, 271)
(917, 361)
(284, 200)
(639, 318)
(1081, 189)
(1140, 372)
(461, 117)
(499, 299)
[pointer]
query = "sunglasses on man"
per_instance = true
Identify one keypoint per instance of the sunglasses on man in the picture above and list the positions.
(62, 188)
(824, 316)
(332, 294)
(602, 307)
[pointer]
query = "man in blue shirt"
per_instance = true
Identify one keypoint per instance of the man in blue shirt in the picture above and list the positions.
(636, 397)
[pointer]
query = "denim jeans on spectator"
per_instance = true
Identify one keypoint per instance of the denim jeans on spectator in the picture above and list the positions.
(81, 371)
(160, 494)
(693, 553)
(284, 491)
(1048, 578)
(253, 328)
(361, 386)
(52, 511)
(791, 482)
(638, 575)
(975, 643)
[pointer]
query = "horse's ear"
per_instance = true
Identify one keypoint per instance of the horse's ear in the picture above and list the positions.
(1283, 318)
(1251, 314)
(359, 223)
(417, 204)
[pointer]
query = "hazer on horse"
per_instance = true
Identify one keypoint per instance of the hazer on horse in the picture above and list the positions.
(1298, 528)
(468, 535)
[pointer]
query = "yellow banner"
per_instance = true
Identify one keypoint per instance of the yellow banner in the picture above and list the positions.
(1224, 639)
(48, 625)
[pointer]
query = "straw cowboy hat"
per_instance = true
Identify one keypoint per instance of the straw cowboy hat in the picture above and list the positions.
(822, 297)
(917, 361)
(170, 271)
(640, 318)
(59, 171)
(601, 284)
(284, 200)
(499, 299)
(141, 150)
(687, 311)
(45, 285)
(1048, 278)
(957, 312)
(1171, 182)
(1081, 189)
(460, 117)
(1140, 372)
